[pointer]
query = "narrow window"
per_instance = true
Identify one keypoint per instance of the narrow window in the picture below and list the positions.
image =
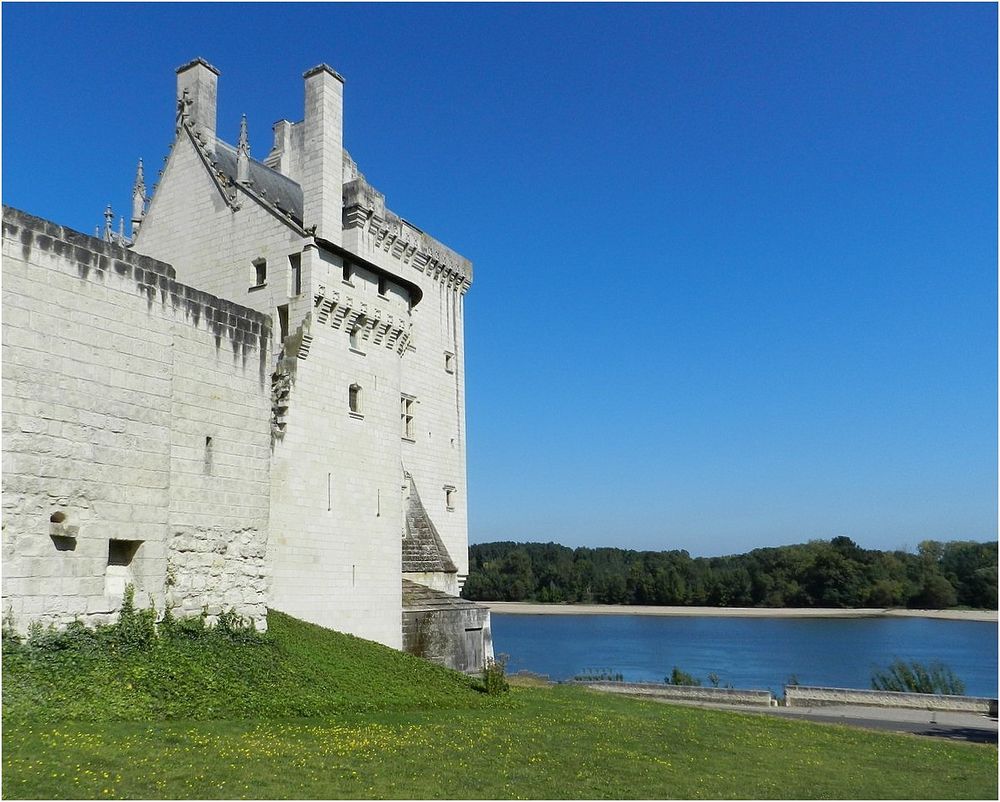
(449, 362)
(260, 272)
(295, 263)
(283, 320)
(354, 576)
(383, 286)
(357, 330)
(329, 492)
(354, 398)
(378, 503)
(208, 455)
(406, 415)
(449, 498)
(348, 272)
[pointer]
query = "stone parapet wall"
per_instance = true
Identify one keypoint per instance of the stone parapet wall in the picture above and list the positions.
(692, 693)
(136, 438)
(808, 696)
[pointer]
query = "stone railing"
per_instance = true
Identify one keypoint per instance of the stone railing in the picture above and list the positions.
(808, 696)
(691, 693)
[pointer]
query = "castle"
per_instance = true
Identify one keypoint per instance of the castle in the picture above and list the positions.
(256, 400)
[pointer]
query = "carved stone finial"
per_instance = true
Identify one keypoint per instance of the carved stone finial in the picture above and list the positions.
(140, 181)
(138, 200)
(109, 218)
(243, 154)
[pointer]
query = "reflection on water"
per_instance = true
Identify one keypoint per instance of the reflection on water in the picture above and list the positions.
(746, 652)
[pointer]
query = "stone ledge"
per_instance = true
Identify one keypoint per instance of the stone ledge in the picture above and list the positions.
(812, 696)
(684, 692)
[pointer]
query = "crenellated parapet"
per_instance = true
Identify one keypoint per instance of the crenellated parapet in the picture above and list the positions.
(364, 209)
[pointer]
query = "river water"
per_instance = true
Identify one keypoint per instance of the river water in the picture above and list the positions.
(746, 652)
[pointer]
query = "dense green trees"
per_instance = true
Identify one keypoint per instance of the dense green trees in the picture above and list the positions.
(837, 573)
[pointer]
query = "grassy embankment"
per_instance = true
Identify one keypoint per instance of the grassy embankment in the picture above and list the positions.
(310, 713)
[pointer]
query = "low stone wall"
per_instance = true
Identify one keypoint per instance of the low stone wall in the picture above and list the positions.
(807, 696)
(693, 693)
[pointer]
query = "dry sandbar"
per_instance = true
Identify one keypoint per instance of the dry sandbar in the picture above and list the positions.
(527, 608)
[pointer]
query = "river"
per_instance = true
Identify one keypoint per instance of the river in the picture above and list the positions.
(746, 652)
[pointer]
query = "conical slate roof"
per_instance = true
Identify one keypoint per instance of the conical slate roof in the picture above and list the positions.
(423, 550)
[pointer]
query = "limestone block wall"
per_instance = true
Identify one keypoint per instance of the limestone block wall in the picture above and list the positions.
(686, 692)
(213, 246)
(135, 434)
(336, 516)
(806, 696)
(433, 373)
(458, 638)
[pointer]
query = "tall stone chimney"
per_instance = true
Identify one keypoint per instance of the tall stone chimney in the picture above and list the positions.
(197, 89)
(323, 153)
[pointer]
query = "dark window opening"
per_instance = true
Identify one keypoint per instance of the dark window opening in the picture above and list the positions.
(347, 271)
(295, 262)
(283, 320)
(122, 552)
(208, 455)
(383, 285)
(57, 517)
(260, 272)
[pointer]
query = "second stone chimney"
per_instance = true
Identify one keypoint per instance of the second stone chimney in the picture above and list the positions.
(323, 153)
(197, 89)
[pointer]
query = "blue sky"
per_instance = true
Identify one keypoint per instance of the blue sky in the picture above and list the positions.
(736, 266)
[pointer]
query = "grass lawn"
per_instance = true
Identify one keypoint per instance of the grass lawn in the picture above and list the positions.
(448, 741)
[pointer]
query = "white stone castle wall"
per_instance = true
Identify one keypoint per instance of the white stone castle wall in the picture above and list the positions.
(337, 501)
(113, 376)
(437, 456)
(190, 225)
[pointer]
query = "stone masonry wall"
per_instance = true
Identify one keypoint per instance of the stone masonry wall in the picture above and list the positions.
(686, 692)
(135, 435)
(806, 696)
(436, 455)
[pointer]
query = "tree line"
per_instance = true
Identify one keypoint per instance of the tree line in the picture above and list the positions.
(835, 573)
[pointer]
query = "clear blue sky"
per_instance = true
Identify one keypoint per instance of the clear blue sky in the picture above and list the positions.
(736, 266)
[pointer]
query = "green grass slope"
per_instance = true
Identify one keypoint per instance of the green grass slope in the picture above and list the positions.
(310, 713)
(298, 669)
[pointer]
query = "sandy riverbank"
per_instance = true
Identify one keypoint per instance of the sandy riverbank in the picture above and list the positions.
(526, 608)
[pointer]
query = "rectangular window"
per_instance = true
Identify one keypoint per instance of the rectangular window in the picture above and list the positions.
(348, 272)
(118, 574)
(449, 362)
(383, 286)
(260, 272)
(449, 498)
(354, 399)
(295, 264)
(406, 415)
(283, 320)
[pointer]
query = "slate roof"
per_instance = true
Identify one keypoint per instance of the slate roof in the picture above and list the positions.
(421, 597)
(272, 185)
(423, 550)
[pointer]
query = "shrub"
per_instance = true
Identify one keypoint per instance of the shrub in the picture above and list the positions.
(914, 677)
(236, 628)
(494, 679)
(135, 629)
(678, 677)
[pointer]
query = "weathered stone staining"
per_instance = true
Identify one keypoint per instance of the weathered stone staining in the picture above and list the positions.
(257, 441)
